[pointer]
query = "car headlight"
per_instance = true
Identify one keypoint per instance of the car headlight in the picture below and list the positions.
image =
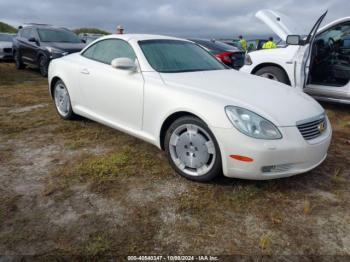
(56, 51)
(252, 124)
(248, 60)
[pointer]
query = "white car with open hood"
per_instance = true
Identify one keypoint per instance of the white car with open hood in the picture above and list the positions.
(322, 71)
(209, 119)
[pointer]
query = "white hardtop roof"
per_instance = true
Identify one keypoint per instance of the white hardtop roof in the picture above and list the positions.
(140, 37)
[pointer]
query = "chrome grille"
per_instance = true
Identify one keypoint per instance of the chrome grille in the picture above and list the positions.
(313, 129)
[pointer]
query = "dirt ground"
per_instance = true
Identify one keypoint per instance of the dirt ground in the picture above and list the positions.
(80, 188)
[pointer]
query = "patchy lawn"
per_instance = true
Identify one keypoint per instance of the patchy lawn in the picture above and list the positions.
(80, 188)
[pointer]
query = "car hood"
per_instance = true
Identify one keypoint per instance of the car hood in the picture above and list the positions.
(279, 103)
(281, 24)
(68, 47)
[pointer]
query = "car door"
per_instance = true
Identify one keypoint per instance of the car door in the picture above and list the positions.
(303, 57)
(23, 44)
(330, 62)
(33, 46)
(112, 95)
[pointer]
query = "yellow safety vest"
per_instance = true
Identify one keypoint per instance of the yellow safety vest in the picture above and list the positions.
(269, 44)
(243, 43)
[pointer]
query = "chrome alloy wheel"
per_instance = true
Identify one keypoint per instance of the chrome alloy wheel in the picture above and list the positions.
(192, 150)
(269, 76)
(62, 100)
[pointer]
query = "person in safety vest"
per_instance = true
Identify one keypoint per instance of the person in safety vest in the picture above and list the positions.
(243, 42)
(269, 44)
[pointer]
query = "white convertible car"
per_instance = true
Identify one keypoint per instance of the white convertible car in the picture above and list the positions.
(208, 118)
(322, 71)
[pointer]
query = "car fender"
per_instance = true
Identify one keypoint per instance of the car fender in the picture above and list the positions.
(171, 99)
(39, 54)
(63, 73)
(280, 57)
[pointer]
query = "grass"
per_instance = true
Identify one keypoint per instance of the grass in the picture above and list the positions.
(265, 241)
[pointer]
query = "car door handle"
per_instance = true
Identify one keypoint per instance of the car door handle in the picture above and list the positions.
(85, 71)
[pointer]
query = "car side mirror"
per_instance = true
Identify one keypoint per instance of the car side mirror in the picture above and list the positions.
(293, 40)
(32, 39)
(124, 63)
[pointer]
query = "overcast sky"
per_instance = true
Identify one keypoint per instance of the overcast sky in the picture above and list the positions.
(173, 17)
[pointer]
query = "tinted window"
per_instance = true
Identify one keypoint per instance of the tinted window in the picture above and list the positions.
(58, 35)
(106, 50)
(6, 37)
(32, 34)
(170, 56)
(25, 33)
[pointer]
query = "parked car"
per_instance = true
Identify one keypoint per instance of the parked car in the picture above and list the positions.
(37, 45)
(318, 62)
(6, 45)
(233, 42)
(229, 55)
(207, 117)
(88, 37)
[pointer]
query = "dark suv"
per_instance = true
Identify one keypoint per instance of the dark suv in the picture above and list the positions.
(38, 44)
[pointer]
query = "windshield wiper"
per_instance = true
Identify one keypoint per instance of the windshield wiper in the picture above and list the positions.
(186, 70)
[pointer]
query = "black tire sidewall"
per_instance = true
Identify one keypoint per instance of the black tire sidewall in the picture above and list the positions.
(18, 60)
(277, 72)
(70, 114)
(216, 169)
(43, 64)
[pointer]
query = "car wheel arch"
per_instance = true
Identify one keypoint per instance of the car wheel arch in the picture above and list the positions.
(39, 55)
(170, 119)
(53, 83)
(262, 65)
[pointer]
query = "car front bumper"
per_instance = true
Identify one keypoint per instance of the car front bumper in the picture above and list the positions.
(272, 159)
(5, 55)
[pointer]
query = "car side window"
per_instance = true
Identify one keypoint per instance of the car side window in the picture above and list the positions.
(106, 50)
(25, 33)
(89, 53)
(32, 33)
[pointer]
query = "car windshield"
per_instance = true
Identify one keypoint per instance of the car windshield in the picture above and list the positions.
(55, 35)
(174, 56)
(6, 37)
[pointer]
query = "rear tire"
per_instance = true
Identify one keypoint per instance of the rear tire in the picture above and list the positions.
(18, 61)
(192, 149)
(273, 73)
(62, 101)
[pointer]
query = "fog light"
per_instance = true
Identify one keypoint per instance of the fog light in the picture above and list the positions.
(277, 168)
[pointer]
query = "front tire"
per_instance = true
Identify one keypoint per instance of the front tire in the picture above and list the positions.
(192, 149)
(43, 64)
(62, 101)
(273, 73)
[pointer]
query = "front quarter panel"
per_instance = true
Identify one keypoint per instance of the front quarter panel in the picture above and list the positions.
(66, 69)
(161, 101)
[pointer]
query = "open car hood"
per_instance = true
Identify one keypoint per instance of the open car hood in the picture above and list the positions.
(281, 24)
